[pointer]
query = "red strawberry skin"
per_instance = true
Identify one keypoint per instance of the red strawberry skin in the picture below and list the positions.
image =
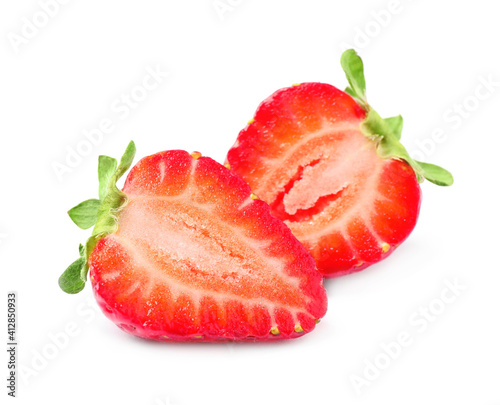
(304, 153)
(197, 257)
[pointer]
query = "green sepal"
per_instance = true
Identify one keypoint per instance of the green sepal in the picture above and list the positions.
(84, 215)
(106, 169)
(89, 248)
(71, 281)
(111, 200)
(386, 132)
(349, 91)
(395, 124)
(436, 174)
(377, 129)
(353, 68)
(389, 146)
(125, 161)
(114, 198)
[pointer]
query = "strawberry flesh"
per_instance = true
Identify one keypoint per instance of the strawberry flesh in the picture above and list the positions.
(195, 257)
(305, 154)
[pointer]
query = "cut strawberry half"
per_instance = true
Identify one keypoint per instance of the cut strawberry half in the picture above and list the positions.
(186, 252)
(334, 171)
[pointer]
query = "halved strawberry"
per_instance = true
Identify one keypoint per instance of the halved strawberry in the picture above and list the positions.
(334, 171)
(185, 251)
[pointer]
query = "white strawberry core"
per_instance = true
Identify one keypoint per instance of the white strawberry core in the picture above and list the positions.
(328, 163)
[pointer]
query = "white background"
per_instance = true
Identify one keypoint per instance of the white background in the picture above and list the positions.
(423, 59)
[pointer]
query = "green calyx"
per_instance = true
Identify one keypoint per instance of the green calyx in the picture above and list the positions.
(100, 213)
(386, 131)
